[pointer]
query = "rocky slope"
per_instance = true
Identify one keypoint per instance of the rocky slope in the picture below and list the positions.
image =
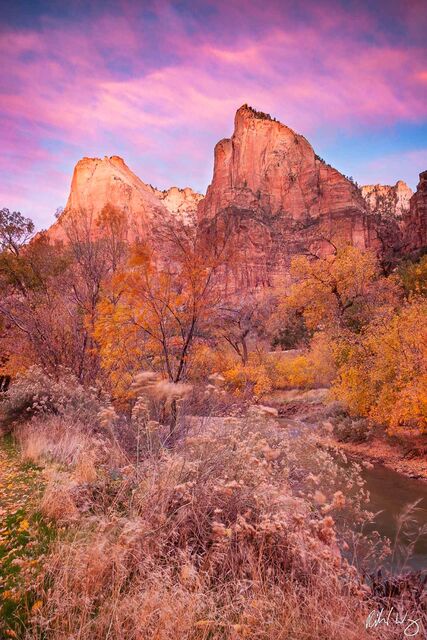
(390, 201)
(98, 182)
(182, 203)
(277, 197)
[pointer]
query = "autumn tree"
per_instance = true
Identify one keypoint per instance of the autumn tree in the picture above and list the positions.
(50, 290)
(97, 246)
(242, 320)
(157, 307)
(15, 231)
(340, 290)
(383, 374)
(39, 322)
(376, 337)
(414, 276)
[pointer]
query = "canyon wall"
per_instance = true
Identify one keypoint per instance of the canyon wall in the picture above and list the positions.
(271, 197)
(389, 201)
(276, 198)
(415, 220)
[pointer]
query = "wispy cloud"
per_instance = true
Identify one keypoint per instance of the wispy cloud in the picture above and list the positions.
(395, 166)
(159, 82)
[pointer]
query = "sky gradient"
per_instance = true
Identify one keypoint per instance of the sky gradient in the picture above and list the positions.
(158, 83)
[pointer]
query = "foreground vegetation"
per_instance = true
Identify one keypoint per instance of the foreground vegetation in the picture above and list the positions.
(223, 533)
(178, 506)
(24, 538)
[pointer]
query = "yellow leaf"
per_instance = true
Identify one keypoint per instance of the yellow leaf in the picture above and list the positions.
(24, 525)
(36, 606)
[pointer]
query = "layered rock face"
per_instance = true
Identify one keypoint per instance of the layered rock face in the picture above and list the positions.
(98, 183)
(389, 201)
(277, 198)
(415, 220)
(271, 197)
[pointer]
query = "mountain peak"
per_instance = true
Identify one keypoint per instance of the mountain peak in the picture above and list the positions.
(98, 182)
(388, 200)
(247, 111)
(268, 167)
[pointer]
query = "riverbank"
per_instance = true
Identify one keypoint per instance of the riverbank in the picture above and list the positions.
(409, 459)
(379, 451)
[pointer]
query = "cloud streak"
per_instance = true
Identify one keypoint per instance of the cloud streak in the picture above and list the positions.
(159, 83)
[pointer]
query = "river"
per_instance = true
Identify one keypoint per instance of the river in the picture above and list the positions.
(390, 494)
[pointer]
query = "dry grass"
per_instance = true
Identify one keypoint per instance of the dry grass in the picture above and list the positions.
(52, 440)
(58, 501)
(55, 439)
(206, 541)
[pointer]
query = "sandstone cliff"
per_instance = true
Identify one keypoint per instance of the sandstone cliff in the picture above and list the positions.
(415, 220)
(386, 200)
(182, 203)
(99, 182)
(277, 197)
(271, 197)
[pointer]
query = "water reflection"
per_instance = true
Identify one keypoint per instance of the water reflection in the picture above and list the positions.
(390, 492)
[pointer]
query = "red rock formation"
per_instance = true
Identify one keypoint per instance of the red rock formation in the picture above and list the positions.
(99, 182)
(277, 198)
(388, 206)
(271, 196)
(415, 220)
(182, 203)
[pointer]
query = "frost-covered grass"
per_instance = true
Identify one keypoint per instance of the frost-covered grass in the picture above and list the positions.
(231, 529)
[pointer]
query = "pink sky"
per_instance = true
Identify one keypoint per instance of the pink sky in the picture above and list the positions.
(158, 83)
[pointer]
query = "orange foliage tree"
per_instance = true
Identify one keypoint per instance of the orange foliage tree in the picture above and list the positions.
(331, 291)
(377, 338)
(154, 312)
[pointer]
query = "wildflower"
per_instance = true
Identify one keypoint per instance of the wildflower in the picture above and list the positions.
(24, 525)
(338, 500)
(36, 606)
(319, 497)
(107, 416)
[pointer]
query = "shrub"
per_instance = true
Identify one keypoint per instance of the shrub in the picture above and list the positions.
(36, 393)
(254, 377)
(383, 373)
(311, 369)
